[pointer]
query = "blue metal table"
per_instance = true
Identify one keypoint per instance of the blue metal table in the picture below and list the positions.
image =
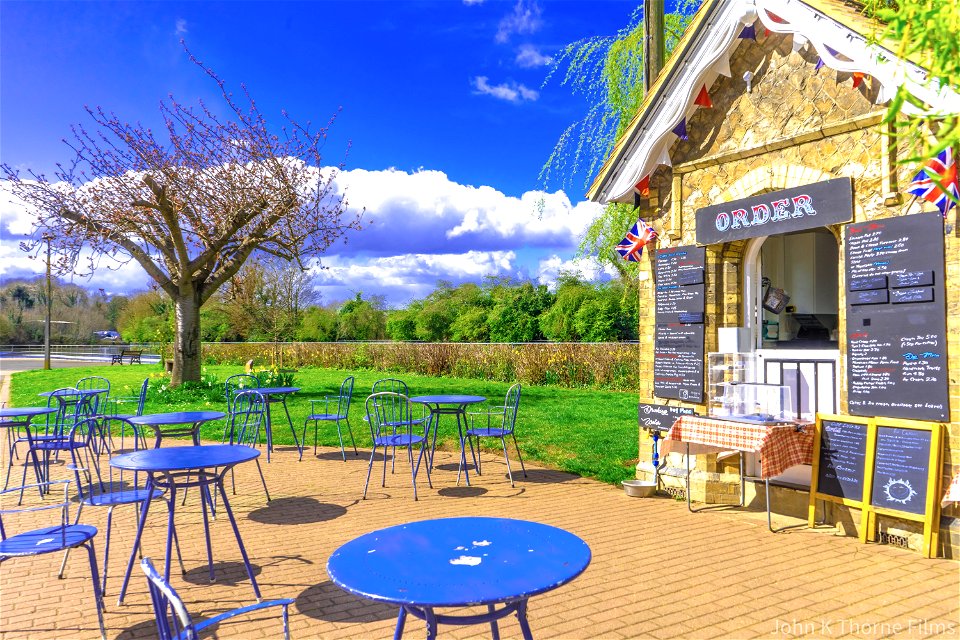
(176, 423)
(14, 418)
(456, 562)
(270, 396)
(449, 405)
(174, 468)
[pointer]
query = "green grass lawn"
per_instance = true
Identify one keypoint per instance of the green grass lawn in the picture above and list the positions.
(590, 433)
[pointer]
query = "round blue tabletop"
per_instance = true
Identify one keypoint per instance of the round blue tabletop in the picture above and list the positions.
(274, 390)
(176, 417)
(452, 562)
(72, 392)
(184, 458)
(26, 412)
(449, 399)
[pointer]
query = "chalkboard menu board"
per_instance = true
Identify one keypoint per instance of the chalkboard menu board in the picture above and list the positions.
(842, 459)
(896, 318)
(901, 469)
(659, 417)
(678, 349)
(679, 282)
(678, 362)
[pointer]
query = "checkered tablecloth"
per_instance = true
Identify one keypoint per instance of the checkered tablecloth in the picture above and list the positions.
(779, 446)
(953, 492)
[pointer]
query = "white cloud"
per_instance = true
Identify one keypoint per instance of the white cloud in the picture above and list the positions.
(587, 269)
(509, 91)
(472, 2)
(529, 57)
(181, 27)
(524, 18)
(420, 227)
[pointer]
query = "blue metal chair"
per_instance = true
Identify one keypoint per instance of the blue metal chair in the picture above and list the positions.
(96, 383)
(51, 539)
(395, 385)
(74, 433)
(329, 414)
(391, 426)
(114, 412)
(173, 619)
(233, 385)
(120, 488)
(244, 422)
(498, 422)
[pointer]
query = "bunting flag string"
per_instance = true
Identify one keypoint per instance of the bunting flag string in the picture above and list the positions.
(681, 129)
(631, 247)
(703, 98)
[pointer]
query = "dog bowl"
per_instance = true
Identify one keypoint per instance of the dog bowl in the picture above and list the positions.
(640, 488)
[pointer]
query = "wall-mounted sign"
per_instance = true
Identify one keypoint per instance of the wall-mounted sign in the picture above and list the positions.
(680, 305)
(814, 205)
(896, 318)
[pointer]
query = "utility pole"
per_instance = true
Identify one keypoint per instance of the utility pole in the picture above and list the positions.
(654, 51)
(46, 324)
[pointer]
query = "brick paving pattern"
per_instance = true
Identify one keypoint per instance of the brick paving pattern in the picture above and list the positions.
(658, 571)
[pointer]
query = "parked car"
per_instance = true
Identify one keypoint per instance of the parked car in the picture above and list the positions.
(109, 336)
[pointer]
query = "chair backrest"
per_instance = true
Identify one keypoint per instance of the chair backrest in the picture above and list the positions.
(173, 620)
(72, 407)
(511, 405)
(388, 413)
(143, 396)
(343, 400)
(249, 411)
(238, 382)
(63, 505)
(95, 382)
(393, 385)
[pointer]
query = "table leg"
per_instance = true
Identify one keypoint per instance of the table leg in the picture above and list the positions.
(171, 508)
(401, 620)
(268, 428)
(204, 496)
(136, 541)
(236, 532)
(431, 620)
(522, 618)
(463, 449)
(436, 427)
(296, 442)
(494, 629)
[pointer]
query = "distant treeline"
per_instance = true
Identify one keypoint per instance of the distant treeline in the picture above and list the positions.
(278, 304)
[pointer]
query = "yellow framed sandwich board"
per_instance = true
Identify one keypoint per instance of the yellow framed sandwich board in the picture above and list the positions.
(839, 462)
(903, 459)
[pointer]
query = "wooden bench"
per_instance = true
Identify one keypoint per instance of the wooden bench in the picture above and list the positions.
(132, 356)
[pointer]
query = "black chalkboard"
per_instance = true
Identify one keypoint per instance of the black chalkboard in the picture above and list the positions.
(678, 362)
(659, 417)
(896, 336)
(901, 469)
(679, 283)
(842, 459)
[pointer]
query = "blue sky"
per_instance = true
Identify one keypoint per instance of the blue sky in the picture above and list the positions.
(443, 106)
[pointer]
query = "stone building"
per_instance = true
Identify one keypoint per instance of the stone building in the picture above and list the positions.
(759, 99)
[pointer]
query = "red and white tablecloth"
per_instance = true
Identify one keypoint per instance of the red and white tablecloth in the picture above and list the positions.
(780, 446)
(953, 492)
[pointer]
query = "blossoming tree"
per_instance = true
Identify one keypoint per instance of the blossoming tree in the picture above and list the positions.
(192, 205)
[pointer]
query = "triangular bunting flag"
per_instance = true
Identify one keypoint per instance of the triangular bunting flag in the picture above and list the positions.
(819, 65)
(643, 187)
(703, 98)
(857, 78)
(766, 32)
(799, 42)
(748, 33)
(831, 51)
(775, 17)
(681, 129)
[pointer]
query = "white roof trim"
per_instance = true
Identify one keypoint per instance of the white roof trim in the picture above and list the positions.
(710, 53)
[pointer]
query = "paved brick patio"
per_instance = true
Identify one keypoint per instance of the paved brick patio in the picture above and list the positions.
(657, 571)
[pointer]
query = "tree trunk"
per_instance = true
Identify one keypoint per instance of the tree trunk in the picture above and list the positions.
(186, 345)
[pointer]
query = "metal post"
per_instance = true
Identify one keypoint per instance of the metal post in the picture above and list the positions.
(46, 324)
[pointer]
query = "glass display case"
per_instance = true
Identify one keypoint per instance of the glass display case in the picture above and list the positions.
(757, 402)
(724, 369)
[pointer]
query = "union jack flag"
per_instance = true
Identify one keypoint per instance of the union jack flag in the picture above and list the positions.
(938, 178)
(631, 247)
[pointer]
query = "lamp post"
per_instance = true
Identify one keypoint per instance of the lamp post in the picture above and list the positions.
(46, 324)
